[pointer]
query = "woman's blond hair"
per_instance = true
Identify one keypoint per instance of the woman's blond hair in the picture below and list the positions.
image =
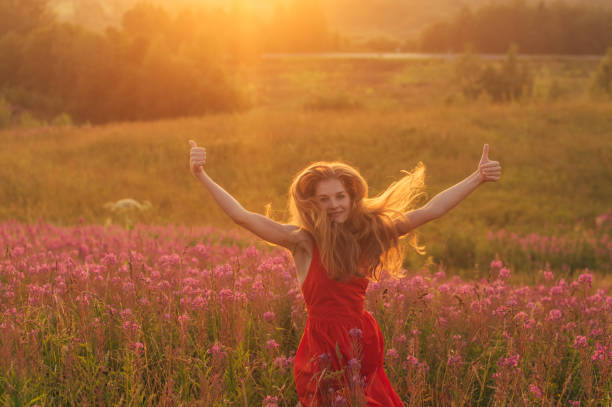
(367, 242)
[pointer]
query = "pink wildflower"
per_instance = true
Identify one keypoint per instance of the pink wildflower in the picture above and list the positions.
(511, 361)
(454, 360)
(355, 333)
(580, 342)
(554, 315)
(270, 401)
(599, 353)
(535, 390)
(392, 353)
(586, 279)
(272, 345)
(354, 363)
(440, 275)
(268, 316)
(283, 362)
(216, 349)
(504, 273)
(412, 360)
(109, 260)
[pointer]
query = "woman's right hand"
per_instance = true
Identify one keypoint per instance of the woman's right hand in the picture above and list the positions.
(197, 158)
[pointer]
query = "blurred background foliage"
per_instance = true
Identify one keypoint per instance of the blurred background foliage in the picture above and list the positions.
(150, 62)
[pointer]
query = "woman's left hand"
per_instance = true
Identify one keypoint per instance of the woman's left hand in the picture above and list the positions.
(488, 170)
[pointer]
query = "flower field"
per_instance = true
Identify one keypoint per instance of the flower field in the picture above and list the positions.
(93, 315)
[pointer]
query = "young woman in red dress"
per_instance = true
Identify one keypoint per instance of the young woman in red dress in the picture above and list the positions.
(340, 239)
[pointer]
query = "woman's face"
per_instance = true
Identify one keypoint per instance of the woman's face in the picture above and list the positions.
(332, 198)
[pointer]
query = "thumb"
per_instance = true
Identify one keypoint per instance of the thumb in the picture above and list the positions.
(192, 143)
(485, 153)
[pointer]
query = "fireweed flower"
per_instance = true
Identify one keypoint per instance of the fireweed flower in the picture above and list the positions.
(283, 362)
(504, 273)
(440, 275)
(354, 364)
(138, 346)
(392, 353)
(511, 361)
(600, 352)
(554, 315)
(535, 390)
(454, 360)
(355, 333)
(412, 361)
(268, 316)
(270, 401)
(109, 260)
(272, 345)
(580, 342)
(586, 279)
(216, 349)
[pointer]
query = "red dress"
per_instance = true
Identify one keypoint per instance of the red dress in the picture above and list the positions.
(334, 309)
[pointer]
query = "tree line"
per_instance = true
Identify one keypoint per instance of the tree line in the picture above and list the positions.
(154, 65)
(557, 28)
(157, 64)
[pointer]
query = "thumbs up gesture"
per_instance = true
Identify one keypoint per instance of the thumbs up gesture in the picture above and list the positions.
(197, 158)
(488, 170)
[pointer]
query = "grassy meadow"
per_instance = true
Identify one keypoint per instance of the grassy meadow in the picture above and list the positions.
(380, 116)
(172, 306)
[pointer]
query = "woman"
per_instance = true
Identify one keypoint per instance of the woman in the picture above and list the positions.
(340, 240)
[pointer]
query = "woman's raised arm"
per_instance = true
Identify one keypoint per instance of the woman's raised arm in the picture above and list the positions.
(265, 228)
(446, 200)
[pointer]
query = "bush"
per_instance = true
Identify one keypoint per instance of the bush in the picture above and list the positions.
(602, 81)
(508, 82)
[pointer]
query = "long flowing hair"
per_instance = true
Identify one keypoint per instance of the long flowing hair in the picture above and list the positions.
(367, 242)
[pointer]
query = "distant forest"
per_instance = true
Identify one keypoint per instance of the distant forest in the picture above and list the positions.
(155, 63)
(536, 29)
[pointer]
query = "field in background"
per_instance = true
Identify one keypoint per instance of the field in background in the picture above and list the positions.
(380, 116)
